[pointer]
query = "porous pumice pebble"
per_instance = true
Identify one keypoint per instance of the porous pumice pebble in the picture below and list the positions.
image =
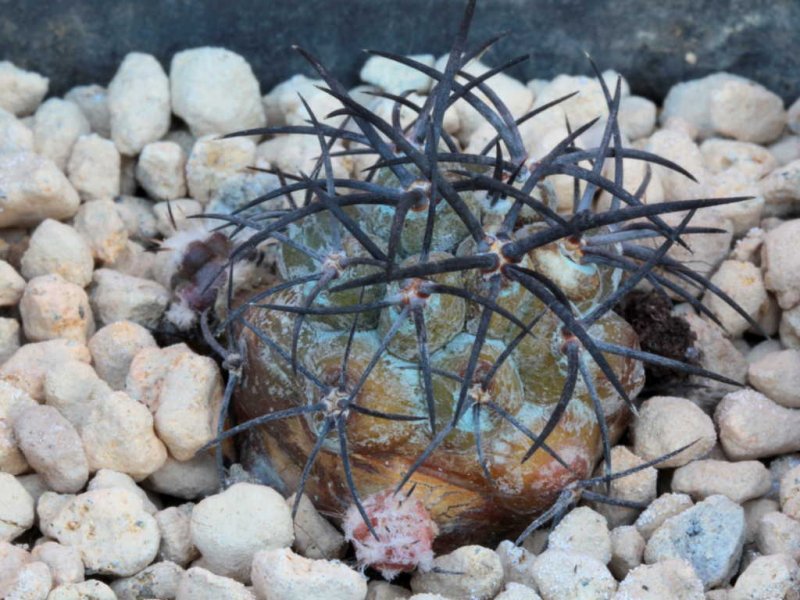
(174, 216)
(753, 511)
(667, 423)
(65, 563)
(780, 260)
(48, 506)
(13, 401)
(767, 577)
(673, 578)
(751, 160)
(120, 297)
(29, 365)
(637, 117)
(72, 387)
(710, 536)
(16, 508)
(747, 111)
(174, 525)
(739, 481)
(231, 527)
(383, 590)
(680, 148)
(396, 78)
(283, 106)
(160, 170)
(188, 479)
(52, 308)
(781, 190)
(106, 478)
(778, 533)
(582, 531)
(159, 580)
(137, 214)
(12, 285)
(118, 435)
(753, 426)
(639, 486)
(690, 101)
(34, 189)
(21, 91)
(280, 574)
(147, 371)
(295, 153)
(215, 91)
(94, 168)
(85, 590)
(314, 536)
(199, 584)
(139, 103)
(627, 550)
(110, 527)
(52, 448)
(57, 125)
(481, 574)
(32, 581)
(101, 226)
(213, 160)
(790, 493)
(777, 376)
(789, 329)
(561, 575)
(12, 558)
(741, 281)
(9, 338)
(661, 509)
(113, 348)
(517, 563)
(58, 248)
(93, 102)
(14, 136)
(517, 591)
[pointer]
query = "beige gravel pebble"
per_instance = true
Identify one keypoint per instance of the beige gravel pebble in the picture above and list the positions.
(12, 285)
(280, 574)
(777, 376)
(110, 527)
(382, 590)
(397, 78)
(120, 297)
(14, 135)
(778, 533)
(94, 168)
(21, 91)
(747, 111)
(517, 563)
(93, 102)
(52, 448)
(790, 493)
(517, 591)
(139, 103)
(64, 562)
(160, 170)
(106, 478)
(72, 387)
(679, 148)
(199, 584)
(28, 366)
(674, 579)
(16, 508)
(739, 481)
(752, 160)
(213, 160)
(753, 426)
(482, 574)
(113, 348)
(231, 527)
(34, 189)
(159, 580)
(174, 216)
(582, 531)
(86, 590)
(190, 479)
(780, 259)
(48, 507)
(58, 248)
(742, 282)
(13, 401)
(667, 423)
(661, 509)
(174, 524)
(103, 229)
(53, 308)
(137, 214)
(753, 511)
(33, 581)
(9, 338)
(57, 125)
(768, 577)
(118, 435)
(560, 575)
(147, 371)
(627, 550)
(636, 487)
(314, 536)
(781, 189)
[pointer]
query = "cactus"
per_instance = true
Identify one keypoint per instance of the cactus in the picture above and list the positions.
(437, 324)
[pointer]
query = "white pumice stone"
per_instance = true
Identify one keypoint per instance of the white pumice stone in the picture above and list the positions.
(94, 168)
(667, 423)
(739, 481)
(91, 589)
(58, 248)
(21, 91)
(13, 401)
(753, 426)
(397, 78)
(102, 227)
(778, 533)
(14, 135)
(780, 259)
(160, 170)
(72, 387)
(28, 366)
(582, 531)
(627, 550)
(9, 338)
(280, 574)
(199, 584)
(106, 478)
(189, 479)
(93, 102)
(110, 527)
(710, 536)
(65, 563)
(34, 188)
(690, 101)
(639, 486)
(12, 285)
(790, 493)
(673, 578)
(773, 576)
(229, 528)
(741, 281)
(213, 160)
(174, 524)
(118, 435)
(33, 580)
(517, 591)
(53, 308)
(120, 297)
(383, 590)
(16, 508)
(174, 216)
(113, 348)
(159, 580)
(563, 575)
(57, 125)
(139, 103)
(777, 376)
(215, 91)
(482, 575)
(52, 448)
(314, 536)
(747, 111)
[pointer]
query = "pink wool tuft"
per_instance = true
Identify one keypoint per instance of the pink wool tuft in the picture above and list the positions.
(405, 534)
